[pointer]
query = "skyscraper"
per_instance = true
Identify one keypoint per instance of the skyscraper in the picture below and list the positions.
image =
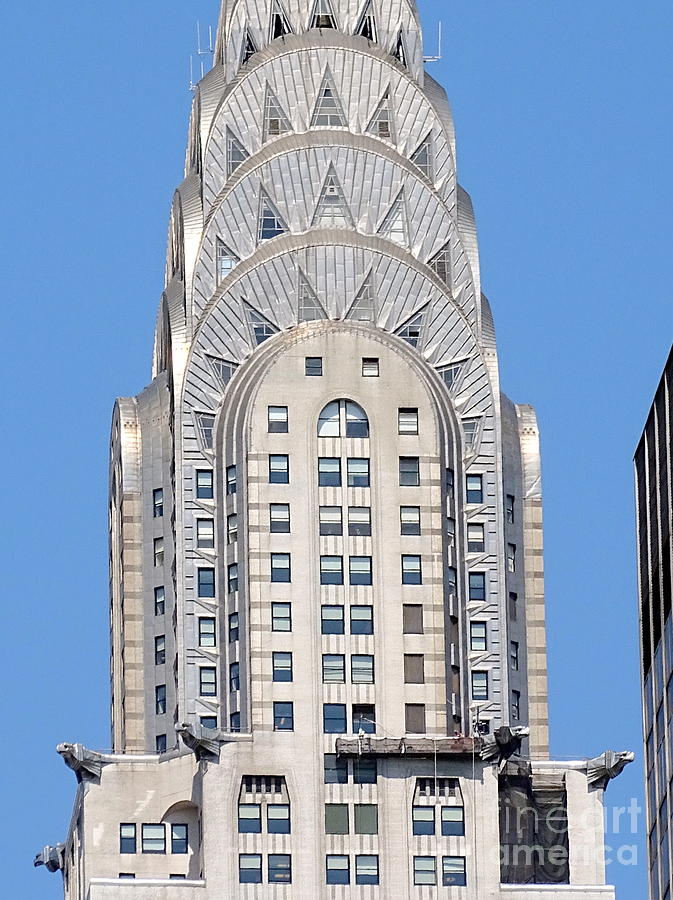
(328, 664)
(654, 512)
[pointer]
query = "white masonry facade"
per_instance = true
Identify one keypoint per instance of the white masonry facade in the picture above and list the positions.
(328, 658)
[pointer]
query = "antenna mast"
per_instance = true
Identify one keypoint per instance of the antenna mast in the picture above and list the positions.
(439, 46)
(201, 51)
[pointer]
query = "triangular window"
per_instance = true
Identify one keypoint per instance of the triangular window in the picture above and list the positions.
(381, 123)
(226, 260)
(363, 308)
(275, 120)
(400, 51)
(412, 329)
(260, 326)
(280, 24)
(367, 23)
(394, 226)
(309, 307)
(328, 109)
(332, 208)
(323, 15)
(248, 47)
(270, 222)
(205, 427)
(236, 153)
(472, 434)
(423, 158)
(451, 374)
(441, 264)
(223, 370)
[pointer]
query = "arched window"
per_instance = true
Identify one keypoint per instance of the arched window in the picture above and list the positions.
(343, 417)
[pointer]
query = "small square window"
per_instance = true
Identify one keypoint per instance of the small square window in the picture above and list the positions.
(362, 620)
(407, 421)
(336, 769)
(411, 570)
(158, 503)
(278, 421)
(208, 681)
(232, 528)
(477, 589)
(414, 718)
(179, 839)
(206, 583)
(478, 636)
(364, 718)
(207, 636)
(158, 551)
(511, 557)
(204, 484)
(453, 821)
(410, 520)
(359, 521)
(278, 818)
(480, 685)
(209, 722)
(338, 870)
(153, 839)
(475, 538)
(454, 871)
(159, 601)
(234, 677)
(366, 868)
(127, 838)
(330, 520)
(365, 770)
(160, 650)
(334, 718)
(360, 570)
(336, 818)
(231, 479)
(279, 518)
(280, 568)
(414, 668)
(358, 472)
(331, 570)
(161, 743)
(160, 699)
(233, 627)
(366, 818)
(475, 489)
(370, 367)
(282, 666)
(410, 471)
(250, 868)
(332, 619)
(509, 509)
(329, 471)
(205, 534)
(280, 868)
(425, 870)
(232, 578)
(281, 617)
(362, 669)
(313, 365)
(514, 655)
(412, 618)
(423, 819)
(333, 668)
(279, 469)
(283, 717)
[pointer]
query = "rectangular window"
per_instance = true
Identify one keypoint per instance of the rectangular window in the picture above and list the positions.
(159, 601)
(234, 677)
(453, 821)
(454, 871)
(154, 839)
(474, 489)
(279, 468)
(364, 718)
(511, 557)
(475, 538)
(204, 484)
(366, 869)
(410, 472)
(480, 685)
(364, 770)
(208, 722)
(282, 666)
(127, 838)
(283, 717)
(280, 868)
(414, 668)
(329, 471)
(278, 420)
(370, 367)
(423, 819)
(280, 568)
(336, 769)
(158, 551)
(233, 627)
(425, 870)
(412, 618)
(208, 681)
(232, 578)
(336, 818)
(235, 722)
(333, 668)
(334, 718)
(205, 581)
(359, 521)
(450, 485)
(362, 669)
(414, 718)
(161, 743)
(158, 503)
(279, 518)
(407, 421)
(205, 534)
(231, 479)
(330, 520)
(332, 619)
(477, 586)
(509, 509)
(207, 632)
(160, 650)
(338, 870)
(366, 818)
(313, 365)
(160, 699)
(478, 636)
(513, 605)
(232, 528)
(250, 868)
(278, 818)
(362, 620)
(451, 531)
(451, 581)
(281, 617)
(516, 705)
(411, 570)
(514, 655)
(358, 472)
(179, 839)
(331, 570)
(360, 570)
(410, 520)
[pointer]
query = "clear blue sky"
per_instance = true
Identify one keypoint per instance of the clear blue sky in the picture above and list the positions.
(563, 112)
